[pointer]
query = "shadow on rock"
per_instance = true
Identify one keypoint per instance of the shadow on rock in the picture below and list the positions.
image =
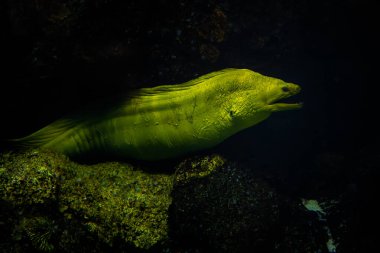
(229, 209)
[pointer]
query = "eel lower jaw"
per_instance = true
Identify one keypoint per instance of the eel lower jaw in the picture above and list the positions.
(276, 107)
(272, 106)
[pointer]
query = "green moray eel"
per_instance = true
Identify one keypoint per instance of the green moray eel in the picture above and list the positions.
(171, 120)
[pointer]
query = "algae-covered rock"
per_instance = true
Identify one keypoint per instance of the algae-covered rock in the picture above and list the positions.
(117, 201)
(207, 204)
(30, 178)
(49, 203)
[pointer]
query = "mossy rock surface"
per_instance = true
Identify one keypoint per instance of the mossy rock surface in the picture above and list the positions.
(117, 201)
(205, 204)
(30, 178)
(50, 203)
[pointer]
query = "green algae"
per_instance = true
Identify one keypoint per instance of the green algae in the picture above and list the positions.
(29, 178)
(49, 203)
(191, 169)
(40, 230)
(116, 201)
(103, 203)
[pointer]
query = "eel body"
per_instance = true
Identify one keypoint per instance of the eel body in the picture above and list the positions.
(171, 120)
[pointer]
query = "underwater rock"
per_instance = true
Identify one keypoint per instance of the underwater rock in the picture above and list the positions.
(229, 209)
(49, 203)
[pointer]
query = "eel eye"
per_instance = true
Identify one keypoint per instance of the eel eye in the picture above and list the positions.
(285, 89)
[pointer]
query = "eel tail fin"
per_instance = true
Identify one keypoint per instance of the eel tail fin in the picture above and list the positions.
(44, 135)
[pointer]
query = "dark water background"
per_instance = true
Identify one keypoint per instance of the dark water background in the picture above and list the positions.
(59, 56)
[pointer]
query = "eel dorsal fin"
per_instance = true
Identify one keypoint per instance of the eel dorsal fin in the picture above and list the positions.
(166, 89)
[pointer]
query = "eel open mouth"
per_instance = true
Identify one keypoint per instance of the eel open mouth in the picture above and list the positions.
(290, 90)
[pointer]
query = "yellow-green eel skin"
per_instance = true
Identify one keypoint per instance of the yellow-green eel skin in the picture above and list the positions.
(171, 120)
